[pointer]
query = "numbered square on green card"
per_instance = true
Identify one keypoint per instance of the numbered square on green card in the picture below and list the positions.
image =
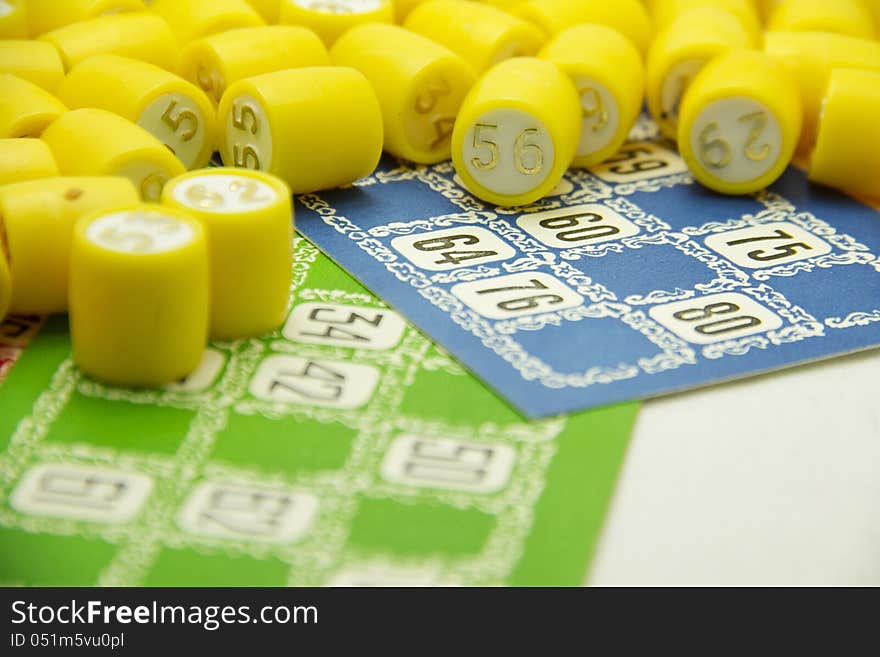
(46, 560)
(121, 424)
(289, 445)
(190, 568)
(423, 529)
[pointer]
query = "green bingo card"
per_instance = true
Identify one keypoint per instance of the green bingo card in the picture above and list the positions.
(343, 449)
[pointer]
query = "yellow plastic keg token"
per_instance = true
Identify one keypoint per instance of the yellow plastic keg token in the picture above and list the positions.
(420, 86)
(299, 125)
(148, 264)
(846, 154)
(517, 132)
(216, 61)
(138, 35)
(95, 142)
(810, 57)
(610, 80)
(248, 221)
(171, 109)
(679, 52)
(740, 122)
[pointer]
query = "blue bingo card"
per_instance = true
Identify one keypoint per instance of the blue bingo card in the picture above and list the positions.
(629, 281)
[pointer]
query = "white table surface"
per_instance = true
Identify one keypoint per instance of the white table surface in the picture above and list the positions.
(768, 481)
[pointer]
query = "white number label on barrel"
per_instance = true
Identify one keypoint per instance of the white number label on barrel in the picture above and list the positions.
(736, 139)
(176, 121)
(508, 151)
(221, 192)
(139, 232)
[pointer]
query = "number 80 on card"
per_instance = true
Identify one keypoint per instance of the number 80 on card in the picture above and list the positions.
(716, 318)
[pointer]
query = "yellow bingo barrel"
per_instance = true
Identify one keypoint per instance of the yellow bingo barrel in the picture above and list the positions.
(299, 124)
(34, 61)
(47, 15)
(743, 11)
(609, 78)
(248, 221)
(139, 295)
(25, 108)
(810, 57)
(420, 86)
(25, 159)
(846, 155)
(216, 61)
(481, 34)
(518, 131)
(740, 122)
(849, 17)
(95, 142)
(191, 19)
(267, 9)
(13, 20)
(38, 217)
(330, 19)
(629, 17)
(141, 35)
(171, 109)
(679, 52)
